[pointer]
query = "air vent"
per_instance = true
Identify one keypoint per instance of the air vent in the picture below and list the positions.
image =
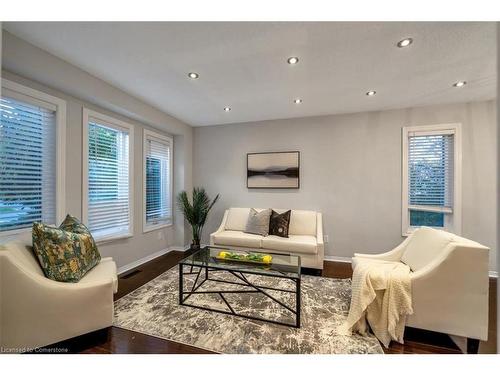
(129, 275)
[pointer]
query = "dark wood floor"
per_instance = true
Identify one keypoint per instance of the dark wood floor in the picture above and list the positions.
(117, 340)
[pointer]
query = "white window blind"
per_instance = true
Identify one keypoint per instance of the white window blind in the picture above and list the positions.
(108, 180)
(27, 163)
(158, 180)
(431, 171)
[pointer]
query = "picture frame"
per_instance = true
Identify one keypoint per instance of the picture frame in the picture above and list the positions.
(273, 170)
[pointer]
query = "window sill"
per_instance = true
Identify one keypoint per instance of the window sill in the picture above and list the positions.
(13, 235)
(150, 228)
(112, 238)
(410, 230)
(16, 233)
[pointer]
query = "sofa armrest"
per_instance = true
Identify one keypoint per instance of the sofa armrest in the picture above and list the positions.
(221, 228)
(393, 255)
(319, 229)
(319, 240)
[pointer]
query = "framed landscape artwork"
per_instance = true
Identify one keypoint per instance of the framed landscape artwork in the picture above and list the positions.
(273, 170)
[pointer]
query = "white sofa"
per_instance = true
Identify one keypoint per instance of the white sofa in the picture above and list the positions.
(36, 311)
(450, 283)
(305, 237)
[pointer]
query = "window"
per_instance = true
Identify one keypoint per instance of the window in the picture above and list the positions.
(157, 180)
(31, 158)
(108, 176)
(432, 177)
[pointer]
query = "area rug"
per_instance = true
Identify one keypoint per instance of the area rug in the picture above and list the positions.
(154, 309)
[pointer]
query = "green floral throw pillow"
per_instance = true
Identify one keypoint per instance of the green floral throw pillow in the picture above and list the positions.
(72, 224)
(66, 253)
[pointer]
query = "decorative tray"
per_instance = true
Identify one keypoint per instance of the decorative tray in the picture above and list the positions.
(245, 257)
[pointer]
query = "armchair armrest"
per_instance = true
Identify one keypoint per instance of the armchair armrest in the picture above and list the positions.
(392, 256)
(221, 228)
(456, 285)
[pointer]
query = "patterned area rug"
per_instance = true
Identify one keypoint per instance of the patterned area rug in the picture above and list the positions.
(154, 309)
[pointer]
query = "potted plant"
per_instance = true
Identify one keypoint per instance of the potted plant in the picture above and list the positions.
(196, 213)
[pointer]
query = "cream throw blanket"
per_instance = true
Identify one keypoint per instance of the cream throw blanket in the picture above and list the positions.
(381, 297)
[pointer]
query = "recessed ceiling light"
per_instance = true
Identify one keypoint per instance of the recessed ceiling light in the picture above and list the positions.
(297, 101)
(460, 84)
(371, 93)
(227, 109)
(293, 60)
(405, 42)
(193, 75)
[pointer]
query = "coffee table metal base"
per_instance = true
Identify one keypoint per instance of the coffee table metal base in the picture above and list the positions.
(243, 281)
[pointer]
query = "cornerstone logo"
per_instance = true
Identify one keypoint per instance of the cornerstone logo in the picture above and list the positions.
(25, 349)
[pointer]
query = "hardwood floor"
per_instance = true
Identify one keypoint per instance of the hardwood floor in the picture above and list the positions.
(118, 340)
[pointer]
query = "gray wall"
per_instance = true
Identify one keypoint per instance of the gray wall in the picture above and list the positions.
(33, 67)
(351, 171)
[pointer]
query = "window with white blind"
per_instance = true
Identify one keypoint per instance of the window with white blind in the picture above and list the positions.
(157, 180)
(108, 176)
(31, 166)
(432, 177)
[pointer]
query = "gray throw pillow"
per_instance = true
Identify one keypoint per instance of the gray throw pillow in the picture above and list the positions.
(258, 222)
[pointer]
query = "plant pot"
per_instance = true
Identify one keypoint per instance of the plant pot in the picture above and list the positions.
(195, 246)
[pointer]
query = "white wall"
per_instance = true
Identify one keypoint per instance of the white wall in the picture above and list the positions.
(33, 67)
(351, 171)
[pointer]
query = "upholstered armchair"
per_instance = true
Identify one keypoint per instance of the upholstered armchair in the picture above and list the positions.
(449, 277)
(36, 311)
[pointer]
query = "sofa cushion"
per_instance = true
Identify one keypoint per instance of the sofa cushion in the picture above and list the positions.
(279, 223)
(425, 245)
(258, 222)
(237, 218)
(292, 244)
(63, 255)
(238, 238)
(303, 223)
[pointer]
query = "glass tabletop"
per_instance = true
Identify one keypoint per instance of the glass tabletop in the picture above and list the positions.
(282, 265)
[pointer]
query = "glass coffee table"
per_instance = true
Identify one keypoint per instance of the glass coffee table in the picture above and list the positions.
(249, 290)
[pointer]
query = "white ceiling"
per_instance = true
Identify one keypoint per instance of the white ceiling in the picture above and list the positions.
(243, 65)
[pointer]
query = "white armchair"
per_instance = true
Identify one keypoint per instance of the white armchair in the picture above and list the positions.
(36, 311)
(450, 285)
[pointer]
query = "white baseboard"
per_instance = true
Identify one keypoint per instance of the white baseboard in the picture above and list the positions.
(179, 248)
(330, 258)
(150, 257)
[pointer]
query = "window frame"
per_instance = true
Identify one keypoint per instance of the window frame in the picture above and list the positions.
(165, 138)
(114, 123)
(454, 225)
(24, 93)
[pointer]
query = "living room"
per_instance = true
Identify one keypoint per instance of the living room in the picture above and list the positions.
(248, 187)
